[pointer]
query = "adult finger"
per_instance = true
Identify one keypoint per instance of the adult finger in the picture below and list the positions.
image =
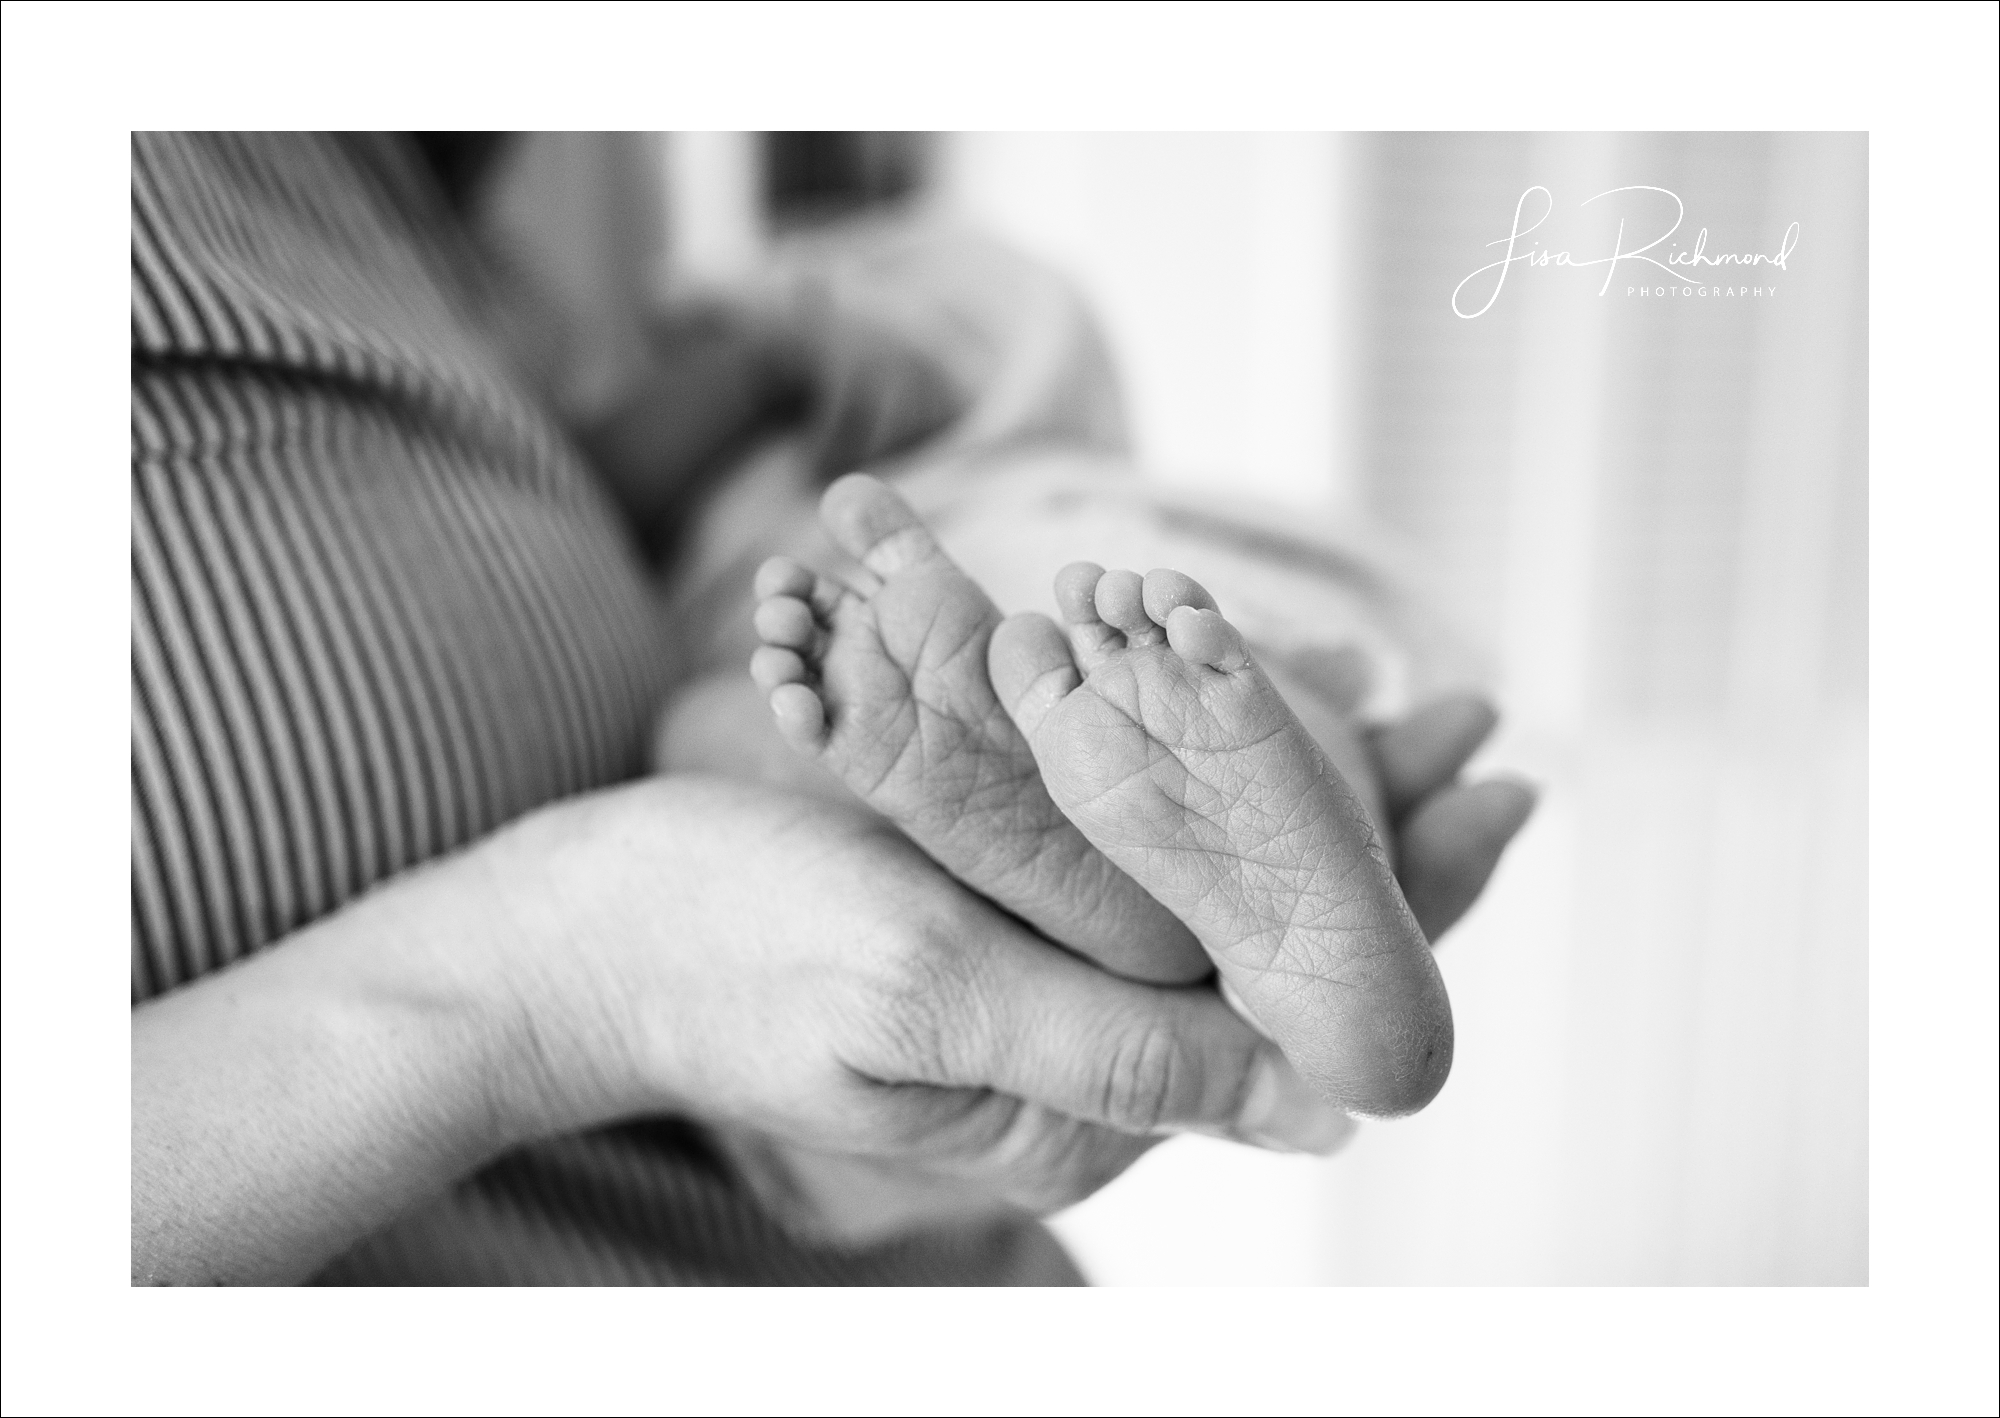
(978, 1143)
(1421, 753)
(962, 1158)
(1049, 1028)
(1450, 843)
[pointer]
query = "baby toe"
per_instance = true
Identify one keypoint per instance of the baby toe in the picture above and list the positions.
(781, 576)
(872, 524)
(800, 715)
(1090, 638)
(1121, 604)
(1205, 638)
(1076, 591)
(1166, 591)
(771, 666)
(785, 621)
(1031, 668)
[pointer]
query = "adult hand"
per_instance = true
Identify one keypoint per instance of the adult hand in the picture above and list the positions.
(1448, 837)
(767, 963)
(682, 945)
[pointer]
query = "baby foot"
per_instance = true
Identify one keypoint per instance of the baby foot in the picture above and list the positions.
(1173, 753)
(884, 683)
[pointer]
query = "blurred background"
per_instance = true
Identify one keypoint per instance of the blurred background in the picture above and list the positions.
(1645, 515)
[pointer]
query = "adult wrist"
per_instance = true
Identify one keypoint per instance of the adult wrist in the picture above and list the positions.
(431, 959)
(507, 968)
(563, 957)
(290, 1104)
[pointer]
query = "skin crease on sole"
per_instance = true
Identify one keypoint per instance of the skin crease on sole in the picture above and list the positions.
(884, 683)
(1163, 742)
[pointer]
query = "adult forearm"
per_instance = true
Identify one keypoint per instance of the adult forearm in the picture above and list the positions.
(288, 1106)
(750, 958)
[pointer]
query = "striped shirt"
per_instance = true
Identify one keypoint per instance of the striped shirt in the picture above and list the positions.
(379, 608)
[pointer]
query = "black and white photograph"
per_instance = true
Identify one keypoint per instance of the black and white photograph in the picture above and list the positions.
(1166, 707)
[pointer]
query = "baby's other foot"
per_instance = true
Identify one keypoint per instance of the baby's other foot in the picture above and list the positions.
(1168, 747)
(884, 683)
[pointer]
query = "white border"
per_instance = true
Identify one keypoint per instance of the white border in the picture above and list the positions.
(1920, 78)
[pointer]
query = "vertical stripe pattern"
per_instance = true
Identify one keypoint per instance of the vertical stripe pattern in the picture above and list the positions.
(380, 608)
